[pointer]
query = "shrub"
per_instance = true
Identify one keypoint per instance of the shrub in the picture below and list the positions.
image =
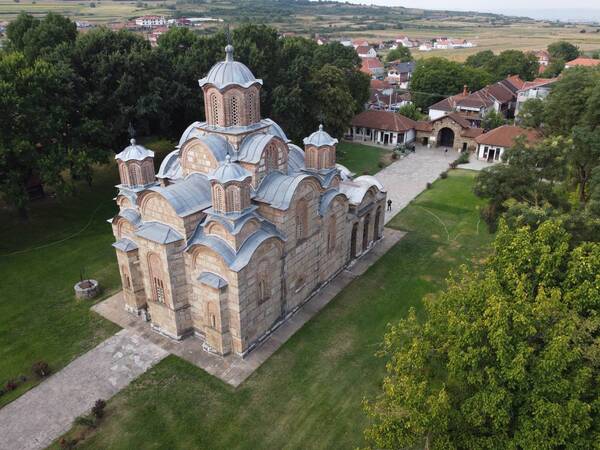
(394, 155)
(2, 392)
(67, 443)
(453, 165)
(489, 214)
(463, 158)
(381, 165)
(11, 385)
(41, 369)
(85, 421)
(444, 175)
(98, 408)
(428, 185)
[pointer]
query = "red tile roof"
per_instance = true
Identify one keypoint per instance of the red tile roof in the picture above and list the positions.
(380, 84)
(383, 120)
(368, 64)
(537, 82)
(362, 49)
(505, 136)
(583, 62)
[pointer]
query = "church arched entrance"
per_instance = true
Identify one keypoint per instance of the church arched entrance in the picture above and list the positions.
(445, 137)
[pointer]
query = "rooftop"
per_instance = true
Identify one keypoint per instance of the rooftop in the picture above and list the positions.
(505, 136)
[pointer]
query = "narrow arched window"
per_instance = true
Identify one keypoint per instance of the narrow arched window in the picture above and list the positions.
(234, 111)
(264, 288)
(126, 279)
(301, 219)
(156, 278)
(135, 175)
(214, 104)
(331, 235)
(230, 199)
(218, 200)
(251, 108)
(272, 158)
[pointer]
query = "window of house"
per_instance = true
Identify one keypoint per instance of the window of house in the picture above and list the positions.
(485, 151)
(234, 111)
(156, 277)
(214, 102)
(251, 108)
(271, 158)
(159, 290)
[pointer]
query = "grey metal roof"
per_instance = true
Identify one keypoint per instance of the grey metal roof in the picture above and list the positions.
(171, 167)
(276, 130)
(249, 247)
(212, 280)
(233, 223)
(229, 72)
(158, 232)
(295, 159)
(354, 191)
(278, 189)
(370, 180)
(131, 215)
(229, 172)
(134, 152)
(344, 172)
(319, 138)
(188, 196)
(191, 131)
(326, 200)
(218, 145)
(252, 147)
(125, 245)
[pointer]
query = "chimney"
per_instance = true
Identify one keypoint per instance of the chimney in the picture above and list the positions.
(465, 92)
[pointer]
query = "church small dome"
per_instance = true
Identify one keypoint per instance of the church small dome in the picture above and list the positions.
(229, 72)
(319, 138)
(229, 172)
(134, 152)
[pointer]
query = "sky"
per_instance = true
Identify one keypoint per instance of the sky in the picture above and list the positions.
(539, 9)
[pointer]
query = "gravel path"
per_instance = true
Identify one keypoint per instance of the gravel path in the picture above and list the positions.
(38, 417)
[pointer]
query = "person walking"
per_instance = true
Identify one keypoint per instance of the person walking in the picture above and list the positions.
(389, 205)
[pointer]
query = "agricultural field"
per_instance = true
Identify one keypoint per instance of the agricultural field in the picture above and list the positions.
(309, 393)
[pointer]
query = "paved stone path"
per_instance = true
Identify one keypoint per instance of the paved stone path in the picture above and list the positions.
(38, 417)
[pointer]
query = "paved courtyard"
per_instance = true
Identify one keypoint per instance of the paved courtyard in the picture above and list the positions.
(38, 417)
(407, 177)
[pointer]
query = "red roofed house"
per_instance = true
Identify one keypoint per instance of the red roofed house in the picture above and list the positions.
(382, 127)
(538, 88)
(360, 43)
(364, 51)
(491, 145)
(372, 67)
(582, 62)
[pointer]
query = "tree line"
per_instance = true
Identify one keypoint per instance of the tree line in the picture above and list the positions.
(508, 355)
(67, 98)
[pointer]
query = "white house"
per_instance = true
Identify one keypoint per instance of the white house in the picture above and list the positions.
(366, 52)
(425, 47)
(382, 127)
(151, 21)
(492, 145)
(538, 88)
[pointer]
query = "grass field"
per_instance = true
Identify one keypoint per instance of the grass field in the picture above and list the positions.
(362, 159)
(309, 393)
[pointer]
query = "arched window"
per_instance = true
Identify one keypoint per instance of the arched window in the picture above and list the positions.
(301, 219)
(126, 279)
(331, 235)
(234, 111)
(123, 174)
(219, 197)
(272, 157)
(156, 278)
(264, 288)
(251, 108)
(231, 199)
(135, 175)
(214, 105)
(210, 315)
(148, 171)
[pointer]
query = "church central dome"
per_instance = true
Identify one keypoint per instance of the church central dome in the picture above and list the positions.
(229, 72)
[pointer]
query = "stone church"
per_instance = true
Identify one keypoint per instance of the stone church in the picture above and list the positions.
(239, 227)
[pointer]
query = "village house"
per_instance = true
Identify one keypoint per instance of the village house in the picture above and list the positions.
(366, 51)
(151, 21)
(405, 41)
(239, 227)
(372, 67)
(425, 47)
(582, 62)
(400, 73)
(543, 57)
(451, 131)
(538, 88)
(500, 97)
(492, 145)
(388, 100)
(360, 43)
(382, 127)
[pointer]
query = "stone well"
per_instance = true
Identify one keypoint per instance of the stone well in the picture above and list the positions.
(86, 289)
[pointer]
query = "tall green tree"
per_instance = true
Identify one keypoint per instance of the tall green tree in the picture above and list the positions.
(400, 53)
(563, 50)
(531, 114)
(482, 59)
(492, 119)
(505, 357)
(514, 62)
(584, 157)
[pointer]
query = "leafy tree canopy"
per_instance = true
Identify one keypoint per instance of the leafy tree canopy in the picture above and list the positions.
(563, 50)
(400, 53)
(506, 357)
(492, 119)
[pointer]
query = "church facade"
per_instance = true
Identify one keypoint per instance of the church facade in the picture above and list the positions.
(239, 227)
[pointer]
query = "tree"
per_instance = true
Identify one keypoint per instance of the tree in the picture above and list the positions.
(554, 68)
(514, 62)
(584, 157)
(481, 59)
(400, 53)
(568, 105)
(492, 119)
(563, 50)
(505, 357)
(531, 114)
(437, 78)
(412, 112)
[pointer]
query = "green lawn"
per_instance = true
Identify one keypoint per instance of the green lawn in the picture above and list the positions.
(309, 393)
(362, 159)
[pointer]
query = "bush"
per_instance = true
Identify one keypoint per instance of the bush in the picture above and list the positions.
(41, 369)
(86, 421)
(444, 175)
(394, 155)
(463, 158)
(98, 408)
(428, 185)
(453, 165)
(489, 214)
(381, 165)
(67, 443)
(11, 385)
